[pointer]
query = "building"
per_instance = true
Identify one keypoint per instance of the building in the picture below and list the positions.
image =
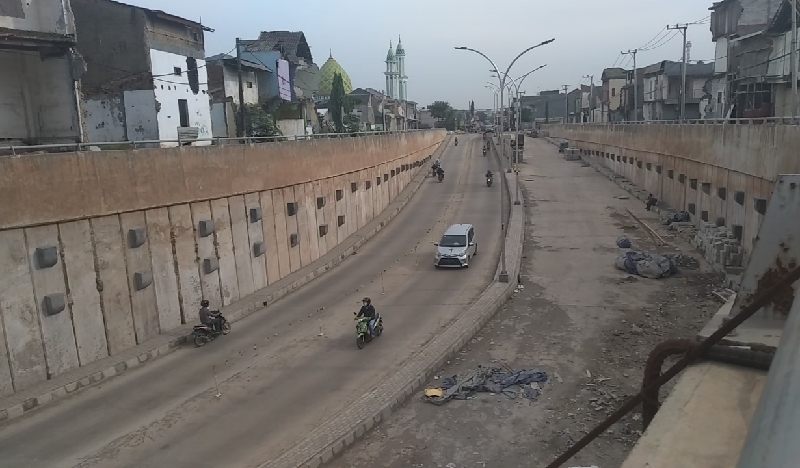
(40, 73)
(742, 57)
(396, 79)
(274, 47)
(549, 106)
(632, 105)
(613, 81)
(223, 89)
(662, 89)
(289, 92)
(143, 78)
(329, 69)
(589, 103)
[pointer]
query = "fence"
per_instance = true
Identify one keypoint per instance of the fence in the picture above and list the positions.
(217, 141)
(713, 121)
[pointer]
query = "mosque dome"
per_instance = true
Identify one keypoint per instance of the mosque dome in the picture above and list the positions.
(390, 54)
(326, 74)
(400, 49)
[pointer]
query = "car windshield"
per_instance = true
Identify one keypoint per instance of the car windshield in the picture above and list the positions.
(453, 241)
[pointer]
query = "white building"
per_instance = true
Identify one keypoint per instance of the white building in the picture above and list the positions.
(39, 73)
(146, 77)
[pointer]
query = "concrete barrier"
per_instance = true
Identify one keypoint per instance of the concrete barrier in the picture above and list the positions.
(719, 173)
(80, 289)
(44, 392)
(345, 428)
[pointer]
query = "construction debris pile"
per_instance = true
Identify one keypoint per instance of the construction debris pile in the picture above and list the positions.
(646, 264)
(482, 379)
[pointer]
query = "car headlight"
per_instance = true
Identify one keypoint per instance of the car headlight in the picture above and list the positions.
(438, 255)
(463, 256)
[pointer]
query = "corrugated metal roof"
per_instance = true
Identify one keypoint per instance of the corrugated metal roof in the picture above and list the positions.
(292, 45)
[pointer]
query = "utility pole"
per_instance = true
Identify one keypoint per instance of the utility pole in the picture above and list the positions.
(591, 96)
(635, 84)
(682, 28)
(566, 103)
(794, 61)
(242, 132)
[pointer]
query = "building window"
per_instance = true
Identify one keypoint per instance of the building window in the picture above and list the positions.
(613, 92)
(250, 84)
(183, 109)
(177, 71)
(719, 97)
(195, 36)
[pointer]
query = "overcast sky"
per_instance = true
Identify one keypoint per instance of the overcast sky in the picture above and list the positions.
(589, 35)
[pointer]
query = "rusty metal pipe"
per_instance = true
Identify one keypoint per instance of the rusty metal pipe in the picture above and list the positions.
(687, 359)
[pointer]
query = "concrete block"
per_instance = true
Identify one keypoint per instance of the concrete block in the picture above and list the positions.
(131, 363)
(71, 387)
(259, 249)
(255, 233)
(142, 280)
(96, 377)
(15, 411)
(21, 352)
(228, 277)
(48, 284)
(136, 238)
(87, 315)
(210, 265)
(242, 252)
(163, 264)
(188, 278)
(109, 372)
(59, 392)
(292, 223)
(85, 382)
(143, 298)
(54, 304)
(46, 257)
(256, 214)
(113, 283)
(209, 282)
(205, 227)
(43, 399)
(277, 246)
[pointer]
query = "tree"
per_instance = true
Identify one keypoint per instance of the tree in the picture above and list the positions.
(439, 110)
(483, 117)
(337, 102)
(259, 122)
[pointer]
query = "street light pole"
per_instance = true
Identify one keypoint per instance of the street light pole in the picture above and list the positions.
(516, 84)
(503, 278)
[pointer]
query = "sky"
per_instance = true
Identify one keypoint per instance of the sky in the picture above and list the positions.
(589, 35)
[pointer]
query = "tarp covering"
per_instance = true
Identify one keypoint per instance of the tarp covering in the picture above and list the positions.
(491, 380)
(646, 264)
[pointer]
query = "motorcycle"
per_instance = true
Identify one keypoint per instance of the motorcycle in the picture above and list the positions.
(484, 151)
(202, 334)
(456, 141)
(363, 335)
(441, 176)
(489, 181)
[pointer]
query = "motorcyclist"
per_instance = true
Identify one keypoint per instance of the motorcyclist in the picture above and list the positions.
(489, 174)
(209, 318)
(436, 165)
(368, 310)
(456, 141)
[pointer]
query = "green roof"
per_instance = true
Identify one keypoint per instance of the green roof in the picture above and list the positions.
(326, 74)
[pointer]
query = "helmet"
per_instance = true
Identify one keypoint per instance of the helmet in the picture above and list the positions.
(367, 300)
(204, 303)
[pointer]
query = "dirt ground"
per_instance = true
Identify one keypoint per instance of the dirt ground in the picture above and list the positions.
(586, 324)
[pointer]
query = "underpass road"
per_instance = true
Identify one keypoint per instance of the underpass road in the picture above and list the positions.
(289, 367)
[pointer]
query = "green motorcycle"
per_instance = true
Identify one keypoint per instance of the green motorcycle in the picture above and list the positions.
(363, 335)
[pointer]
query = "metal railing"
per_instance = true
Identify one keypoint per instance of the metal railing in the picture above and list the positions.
(711, 121)
(214, 141)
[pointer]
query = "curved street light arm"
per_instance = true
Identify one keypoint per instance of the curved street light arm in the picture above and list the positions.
(524, 52)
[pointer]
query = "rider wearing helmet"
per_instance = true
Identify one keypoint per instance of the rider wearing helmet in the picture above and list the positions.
(368, 310)
(209, 317)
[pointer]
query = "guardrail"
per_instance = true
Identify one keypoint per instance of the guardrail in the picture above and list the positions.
(720, 121)
(216, 141)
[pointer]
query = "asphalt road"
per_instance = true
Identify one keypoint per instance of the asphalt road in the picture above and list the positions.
(277, 378)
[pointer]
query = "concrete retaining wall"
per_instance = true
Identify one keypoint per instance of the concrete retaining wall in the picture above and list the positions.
(97, 272)
(717, 173)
